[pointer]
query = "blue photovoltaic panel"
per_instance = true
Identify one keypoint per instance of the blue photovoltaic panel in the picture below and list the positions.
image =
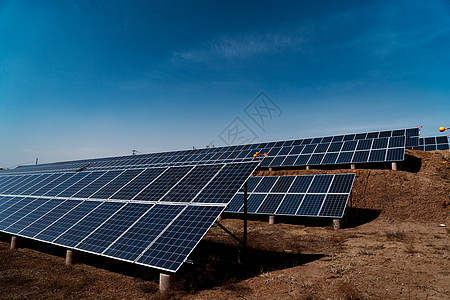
(301, 184)
(306, 195)
(13, 206)
(88, 223)
(194, 182)
(136, 239)
(137, 184)
(47, 219)
(224, 185)
(46, 179)
(14, 185)
(106, 234)
(236, 203)
(81, 184)
(52, 232)
(254, 201)
(116, 184)
(270, 204)
(252, 183)
(96, 185)
(188, 229)
(162, 184)
(57, 189)
(266, 184)
(7, 202)
(341, 183)
(334, 206)
(432, 143)
(290, 204)
(311, 205)
(30, 205)
(33, 216)
(320, 184)
(32, 180)
(282, 185)
(51, 183)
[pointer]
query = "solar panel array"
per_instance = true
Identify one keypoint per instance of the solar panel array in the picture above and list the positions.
(379, 146)
(299, 195)
(433, 143)
(152, 216)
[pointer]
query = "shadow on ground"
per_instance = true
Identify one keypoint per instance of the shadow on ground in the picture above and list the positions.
(213, 264)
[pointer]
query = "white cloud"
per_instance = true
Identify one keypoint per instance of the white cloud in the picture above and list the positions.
(242, 47)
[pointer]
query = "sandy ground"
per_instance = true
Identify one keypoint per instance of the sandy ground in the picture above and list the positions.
(392, 247)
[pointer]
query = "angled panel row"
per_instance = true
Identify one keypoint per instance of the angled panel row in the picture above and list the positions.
(305, 195)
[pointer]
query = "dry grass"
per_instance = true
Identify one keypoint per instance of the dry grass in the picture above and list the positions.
(396, 235)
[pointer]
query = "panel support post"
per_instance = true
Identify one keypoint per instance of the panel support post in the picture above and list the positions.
(337, 224)
(164, 282)
(353, 166)
(308, 167)
(69, 257)
(270, 169)
(394, 166)
(271, 220)
(245, 214)
(14, 242)
(220, 217)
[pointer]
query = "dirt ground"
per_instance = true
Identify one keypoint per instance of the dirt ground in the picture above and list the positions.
(393, 246)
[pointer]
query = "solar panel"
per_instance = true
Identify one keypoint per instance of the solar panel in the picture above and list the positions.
(187, 229)
(432, 143)
(150, 216)
(340, 149)
(297, 195)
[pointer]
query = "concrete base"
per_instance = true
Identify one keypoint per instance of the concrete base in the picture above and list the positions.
(308, 167)
(353, 166)
(164, 282)
(337, 224)
(270, 169)
(14, 242)
(271, 219)
(394, 166)
(69, 257)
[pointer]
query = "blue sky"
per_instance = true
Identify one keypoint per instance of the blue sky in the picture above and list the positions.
(88, 78)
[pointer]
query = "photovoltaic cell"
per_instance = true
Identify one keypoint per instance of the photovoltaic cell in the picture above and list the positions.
(136, 239)
(81, 184)
(30, 205)
(137, 184)
(301, 184)
(116, 184)
(236, 203)
(223, 187)
(254, 201)
(106, 234)
(311, 205)
(47, 219)
(305, 196)
(52, 232)
(290, 204)
(171, 249)
(88, 223)
(33, 216)
(334, 206)
(270, 204)
(320, 184)
(96, 185)
(282, 185)
(190, 185)
(162, 184)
